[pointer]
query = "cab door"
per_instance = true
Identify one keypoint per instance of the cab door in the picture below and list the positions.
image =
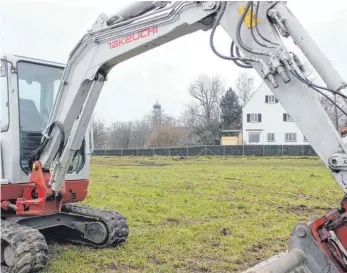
(4, 116)
(9, 139)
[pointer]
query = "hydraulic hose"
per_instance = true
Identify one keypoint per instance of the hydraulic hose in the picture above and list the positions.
(257, 29)
(252, 30)
(238, 35)
(296, 75)
(310, 84)
(35, 155)
(238, 63)
(219, 17)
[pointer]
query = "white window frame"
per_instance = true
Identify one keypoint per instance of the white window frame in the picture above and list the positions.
(271, 99)
(253, 133)
(252, 119)
(290, 137)
(272, 138)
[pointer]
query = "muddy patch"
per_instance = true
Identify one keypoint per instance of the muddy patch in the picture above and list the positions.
(215, 244)
(172, 220)
(303, 209)
(154, 260)
(225, 231)
(150, 164)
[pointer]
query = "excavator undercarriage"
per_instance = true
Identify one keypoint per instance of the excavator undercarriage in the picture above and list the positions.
(24, 248)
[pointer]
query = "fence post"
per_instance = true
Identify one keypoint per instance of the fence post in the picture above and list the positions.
(243, 149)
(282, 149)
(224, 150)
(302, 150)
(105, 150)
(121, 152)
(153, 151)
(263, 149)
(137, 152)
(169, 152)
(205, 150)
(187, 152)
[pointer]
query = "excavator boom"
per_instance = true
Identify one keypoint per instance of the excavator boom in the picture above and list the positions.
(145, 25)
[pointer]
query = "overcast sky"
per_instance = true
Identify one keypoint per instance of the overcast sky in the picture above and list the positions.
(50, 29)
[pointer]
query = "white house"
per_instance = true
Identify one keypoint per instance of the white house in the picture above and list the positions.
(266, 122)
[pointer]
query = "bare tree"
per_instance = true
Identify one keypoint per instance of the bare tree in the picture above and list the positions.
(165, 135)
(244, 87)
(120, 134)
(99, 133)
(172, 135)
(338, 118)
(141, 131)
(191, 117)
(207, 93)
(187, 136)
(203, 113)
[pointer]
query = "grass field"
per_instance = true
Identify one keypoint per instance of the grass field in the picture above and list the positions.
(206, 214)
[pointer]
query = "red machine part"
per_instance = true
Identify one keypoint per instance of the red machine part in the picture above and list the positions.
(335, 221)
(37, 198)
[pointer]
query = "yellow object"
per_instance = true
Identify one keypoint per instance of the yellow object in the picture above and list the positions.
(248, 17)
(231, 140)
(34, 166)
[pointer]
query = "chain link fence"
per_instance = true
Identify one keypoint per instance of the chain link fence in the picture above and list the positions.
(237, 150)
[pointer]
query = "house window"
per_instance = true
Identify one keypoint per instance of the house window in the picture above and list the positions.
(271, 137)
(270, 99)
(290, 137)
(305, 139)
(253, 117)
(287, 117)
(254, 137)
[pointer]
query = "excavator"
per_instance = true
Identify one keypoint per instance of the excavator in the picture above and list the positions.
(46, 139)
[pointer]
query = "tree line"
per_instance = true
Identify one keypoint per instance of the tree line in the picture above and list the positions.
(212, 108)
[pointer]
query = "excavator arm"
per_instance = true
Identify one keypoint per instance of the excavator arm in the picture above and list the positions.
(256, 30)
(109, 42)
(145, 25)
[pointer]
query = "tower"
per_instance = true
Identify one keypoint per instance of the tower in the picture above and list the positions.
(156, 106)
(157, 115)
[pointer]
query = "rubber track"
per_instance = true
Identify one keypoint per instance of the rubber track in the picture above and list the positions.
(31, 250)
(115, 222)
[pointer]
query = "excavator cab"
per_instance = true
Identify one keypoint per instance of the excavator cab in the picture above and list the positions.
(28, 90)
